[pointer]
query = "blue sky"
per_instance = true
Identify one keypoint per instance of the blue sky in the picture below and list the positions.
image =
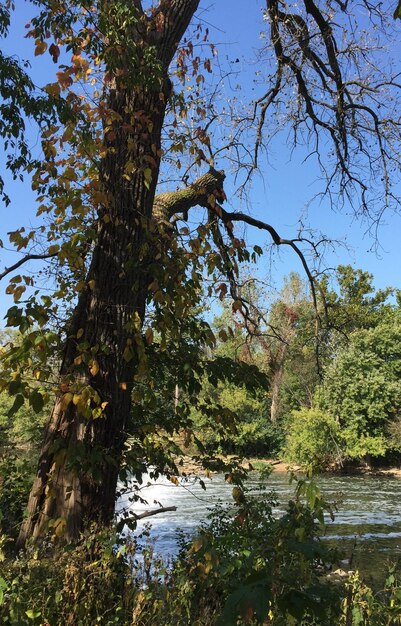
(279, 194)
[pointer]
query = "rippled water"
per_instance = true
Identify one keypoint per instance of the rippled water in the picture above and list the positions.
(367, 526)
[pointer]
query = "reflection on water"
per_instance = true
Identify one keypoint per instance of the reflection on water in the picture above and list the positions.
(367, 525)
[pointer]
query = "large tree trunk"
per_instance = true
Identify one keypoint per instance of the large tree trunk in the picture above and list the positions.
(79, 462)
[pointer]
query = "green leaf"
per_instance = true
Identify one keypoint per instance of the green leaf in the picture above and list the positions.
(147, 174)
(31, 614)
(397, 12)
(18, 402)
(3, 587)
(36, 401)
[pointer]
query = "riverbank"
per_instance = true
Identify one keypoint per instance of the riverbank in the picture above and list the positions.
(188, 466)
(350, 470)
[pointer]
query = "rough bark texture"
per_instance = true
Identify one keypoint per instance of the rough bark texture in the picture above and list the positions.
(79, 462)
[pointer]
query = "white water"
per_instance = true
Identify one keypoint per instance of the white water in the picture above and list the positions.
(369, 514)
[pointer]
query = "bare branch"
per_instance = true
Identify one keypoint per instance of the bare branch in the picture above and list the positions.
(25, 259)
(343, 92)
(162, 509)
(279, 241)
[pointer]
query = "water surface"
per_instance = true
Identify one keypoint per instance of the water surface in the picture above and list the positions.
(367, 525)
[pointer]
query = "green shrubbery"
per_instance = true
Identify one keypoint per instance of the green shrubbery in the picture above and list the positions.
(16, 474)
(313, 439)
(243, 425)
(84, 586)
(245, 565)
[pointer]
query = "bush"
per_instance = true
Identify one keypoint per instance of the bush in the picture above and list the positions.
(249, 433)
(313, 439)
(244, 567)
(87, 585)
(16, 475)
(258, 438)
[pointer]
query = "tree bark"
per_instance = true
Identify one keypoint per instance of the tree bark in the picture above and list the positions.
(277, 377)
(79, 462)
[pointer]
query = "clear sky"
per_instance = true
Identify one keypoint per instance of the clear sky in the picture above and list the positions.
(279, 195)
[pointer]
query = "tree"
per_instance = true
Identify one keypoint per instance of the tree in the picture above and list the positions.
(362, 390)
(313, 439)
(97, 185)
(354, 303)
(292, 358)
(18, 101)
(281, 338)
(126, 183)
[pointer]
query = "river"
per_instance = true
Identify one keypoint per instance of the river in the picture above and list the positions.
(367, 523)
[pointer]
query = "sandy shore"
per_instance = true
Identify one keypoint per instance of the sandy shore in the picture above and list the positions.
(191, 467)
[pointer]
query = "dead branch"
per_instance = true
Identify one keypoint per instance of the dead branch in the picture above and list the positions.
(277, 239)
(162, 509)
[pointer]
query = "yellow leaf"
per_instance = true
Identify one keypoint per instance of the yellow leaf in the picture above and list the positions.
(64, 79)
(18, 291)
(94, 367)
(197, 545)
(149, 335)
(128, 354)
(80, 333)
(60, 527)
(78, 360)
(40, 47)
(66, 399)
(53, 89)
(130, 167)
(91, 284)
(147, 174)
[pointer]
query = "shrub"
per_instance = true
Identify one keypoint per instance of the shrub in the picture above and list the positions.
(90, 584)
(313, 439)
(245, 567)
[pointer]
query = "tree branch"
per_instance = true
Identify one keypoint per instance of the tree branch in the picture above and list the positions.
(166, 206)
(25, 259)
(162, 509)
(323, 57)
(170, 204)
(229, 217)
